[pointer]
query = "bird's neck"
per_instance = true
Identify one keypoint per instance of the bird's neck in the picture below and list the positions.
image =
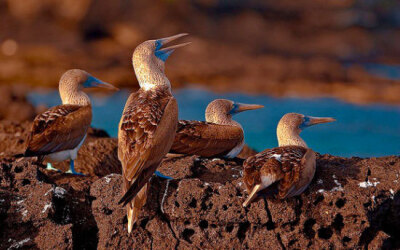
(222, 120)
(151, 77)
(289, 137)
(75, 97)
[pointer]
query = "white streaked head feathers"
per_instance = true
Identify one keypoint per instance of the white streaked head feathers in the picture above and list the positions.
(70, 89)
(148, 61)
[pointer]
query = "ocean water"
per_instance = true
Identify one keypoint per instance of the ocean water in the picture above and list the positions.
(360, 130)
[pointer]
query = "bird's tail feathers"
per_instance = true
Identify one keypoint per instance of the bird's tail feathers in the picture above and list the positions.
(136, 185)
(134, 206)
(131, 218)
(19, 156)
(252, 195)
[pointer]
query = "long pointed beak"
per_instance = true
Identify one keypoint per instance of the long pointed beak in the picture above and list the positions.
(164, 53)
(310, 120)
(171, 49)
(109, 86)
(93, 82)
(166, 40)
(240, 107)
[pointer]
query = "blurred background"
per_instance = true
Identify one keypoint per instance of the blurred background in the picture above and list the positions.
(316, 57)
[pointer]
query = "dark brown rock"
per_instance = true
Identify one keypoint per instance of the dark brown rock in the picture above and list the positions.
(340, 209)
(351, 203)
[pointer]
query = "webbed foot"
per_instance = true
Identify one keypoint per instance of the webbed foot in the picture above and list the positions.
(157, 173)
(50, 167)
(72, 169)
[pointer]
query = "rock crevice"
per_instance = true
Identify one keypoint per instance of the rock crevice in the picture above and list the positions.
(351, 203)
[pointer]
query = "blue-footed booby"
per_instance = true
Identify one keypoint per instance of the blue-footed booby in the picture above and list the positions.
(219, 135)
(291, 165)
(148, 124)
(58, 133)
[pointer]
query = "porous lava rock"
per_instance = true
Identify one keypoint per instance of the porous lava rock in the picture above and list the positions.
(351, 203)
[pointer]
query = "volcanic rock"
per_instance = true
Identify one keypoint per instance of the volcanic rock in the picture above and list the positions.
(351, 203)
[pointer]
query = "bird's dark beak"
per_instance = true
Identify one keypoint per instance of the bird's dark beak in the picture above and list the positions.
(310, 120)
(164, 53)
(93, 82)
(240, 107)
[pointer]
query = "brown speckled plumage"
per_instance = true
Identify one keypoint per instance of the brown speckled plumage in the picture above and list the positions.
(141, 117)
(60, 128)
(287, 170)
(291, 165)
(218, 136)
(148, 125)
(58, 133)
(64, 126)
(147, 128)
(206, 139)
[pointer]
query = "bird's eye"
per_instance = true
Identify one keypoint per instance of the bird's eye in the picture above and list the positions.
(233, 108)
(304, 122)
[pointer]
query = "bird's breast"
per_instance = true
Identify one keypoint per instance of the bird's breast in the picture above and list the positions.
(66, 154)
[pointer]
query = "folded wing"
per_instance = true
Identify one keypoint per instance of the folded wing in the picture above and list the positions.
(283, 164)
(60, 128)
(206, 139)
(146, 133)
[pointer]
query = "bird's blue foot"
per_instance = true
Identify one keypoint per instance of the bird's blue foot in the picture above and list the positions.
(50, 167)
(157, 173)
(72, 169)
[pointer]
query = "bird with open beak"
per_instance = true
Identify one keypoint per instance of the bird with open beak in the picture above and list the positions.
(218, 136)
(291, 165)
(58, 133)
(148, 123)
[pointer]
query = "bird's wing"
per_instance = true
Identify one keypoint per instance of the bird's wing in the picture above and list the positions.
(282, 164)
(205, 139)
(292, 166)
(306, 171)
(60, 128)
(146, 132)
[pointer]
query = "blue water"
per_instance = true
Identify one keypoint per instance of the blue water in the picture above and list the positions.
(365, 131)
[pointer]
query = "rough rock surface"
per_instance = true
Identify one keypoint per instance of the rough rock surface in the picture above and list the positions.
(351, 203)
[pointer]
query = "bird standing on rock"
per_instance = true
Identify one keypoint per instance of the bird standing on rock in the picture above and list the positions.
(219, 135)
(58, 133)
(291, 165)
(148, 123)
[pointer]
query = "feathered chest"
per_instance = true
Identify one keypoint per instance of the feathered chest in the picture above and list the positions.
(142, 114)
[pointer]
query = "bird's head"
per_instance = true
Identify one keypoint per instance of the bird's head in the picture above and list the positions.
(73, 81)
(79, 79)
(149, 59)
(297, 122)
(222, 108)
